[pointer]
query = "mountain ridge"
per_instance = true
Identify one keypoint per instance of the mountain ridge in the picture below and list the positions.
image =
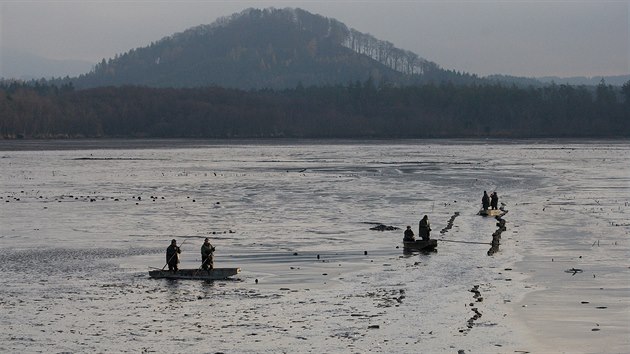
(269, 48)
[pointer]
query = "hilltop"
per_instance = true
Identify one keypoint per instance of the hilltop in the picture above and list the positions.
(270, 48)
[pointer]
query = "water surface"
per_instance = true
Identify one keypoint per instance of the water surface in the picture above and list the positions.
(83, 221)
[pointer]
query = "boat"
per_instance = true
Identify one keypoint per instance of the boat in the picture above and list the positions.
(197, 274)
(491, 212)
(420, 245)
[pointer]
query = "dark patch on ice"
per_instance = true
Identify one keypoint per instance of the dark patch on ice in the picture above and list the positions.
(383, 227)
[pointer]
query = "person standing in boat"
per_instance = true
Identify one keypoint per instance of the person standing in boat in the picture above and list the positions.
(485, 201)
(409, 236)
(172, 256)
(494, 201)
(424, 228)
(207, 255)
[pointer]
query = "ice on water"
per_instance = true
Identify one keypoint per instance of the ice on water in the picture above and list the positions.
(82, 222)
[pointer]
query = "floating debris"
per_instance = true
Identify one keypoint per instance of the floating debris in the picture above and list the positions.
(574, 271)
(382, 227)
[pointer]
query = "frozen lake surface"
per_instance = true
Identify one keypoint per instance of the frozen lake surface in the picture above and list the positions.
(82, 222)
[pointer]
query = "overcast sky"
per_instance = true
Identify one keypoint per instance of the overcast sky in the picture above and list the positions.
(522, 38)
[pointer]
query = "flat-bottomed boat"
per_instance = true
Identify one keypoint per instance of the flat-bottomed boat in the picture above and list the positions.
(198, 274)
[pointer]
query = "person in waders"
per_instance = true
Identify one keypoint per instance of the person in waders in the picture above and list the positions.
(207, 255)
(485, 201)
(172, 256)
(424, 228)
(409, 236)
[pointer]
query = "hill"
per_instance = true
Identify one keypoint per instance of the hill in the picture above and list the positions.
(270, 48)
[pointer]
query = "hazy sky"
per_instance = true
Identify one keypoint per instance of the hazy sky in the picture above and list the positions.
(523, 38)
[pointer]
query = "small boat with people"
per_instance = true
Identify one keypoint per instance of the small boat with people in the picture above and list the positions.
(206, 271)
(420, 245)
(196, 274)
(490, 205)
(424, 243)
(491, 212)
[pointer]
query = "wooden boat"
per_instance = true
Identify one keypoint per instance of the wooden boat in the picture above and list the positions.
(491, 212)
(198, 274)
(420, 245)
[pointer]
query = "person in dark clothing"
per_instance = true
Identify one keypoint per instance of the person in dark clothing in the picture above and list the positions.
(424, 228)
(207, 256)
(485, 201)
(172, 256)
(409, 236)
(494, 201)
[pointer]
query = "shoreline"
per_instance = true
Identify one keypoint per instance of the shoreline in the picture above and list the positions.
(79, 144)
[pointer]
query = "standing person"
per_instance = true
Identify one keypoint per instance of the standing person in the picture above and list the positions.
(409, 236)
(494, 200)
(207, 257)
(172, 256)
(424, 228)
(485, 201)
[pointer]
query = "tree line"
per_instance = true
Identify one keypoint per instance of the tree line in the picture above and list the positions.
(357, 110)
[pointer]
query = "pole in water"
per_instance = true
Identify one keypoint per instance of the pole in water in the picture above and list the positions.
(472, 242)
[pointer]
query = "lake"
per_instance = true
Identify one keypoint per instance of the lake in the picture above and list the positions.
(82, 222)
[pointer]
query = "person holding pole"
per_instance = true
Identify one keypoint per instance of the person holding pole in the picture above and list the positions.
(424, 228)
(207, 255)
(172, 256)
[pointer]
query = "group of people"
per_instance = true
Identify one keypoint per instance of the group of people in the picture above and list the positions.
(424, 230)
(207, 255)
(490, 202)
(424, 227)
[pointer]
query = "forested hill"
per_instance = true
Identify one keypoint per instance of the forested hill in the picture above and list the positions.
(360, 110)
(270, 48)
